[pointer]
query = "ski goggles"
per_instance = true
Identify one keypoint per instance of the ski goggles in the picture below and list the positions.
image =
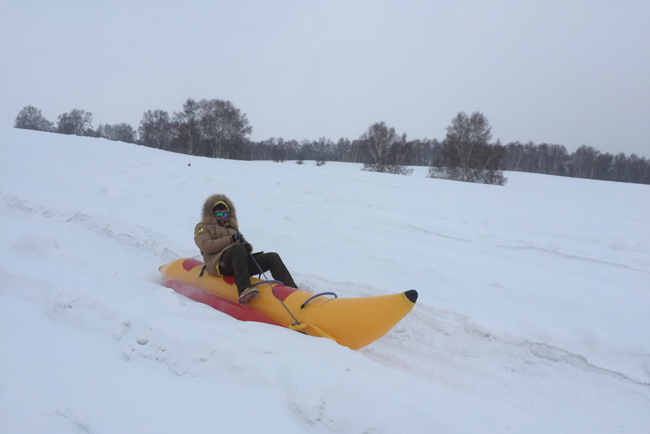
(220, 214)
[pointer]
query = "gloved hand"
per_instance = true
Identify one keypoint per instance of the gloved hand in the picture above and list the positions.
(236, 236)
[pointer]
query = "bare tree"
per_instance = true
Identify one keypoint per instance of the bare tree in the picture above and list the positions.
(119, 132)
(515, 158)
(188, 138)
(31, 118)
(583, 162)
(466, 153)
(279, 150)
(156, 130)
(639, 169)
(225, 128)
(342, 150)
(323, 147)
(385, 150)
(424, 152)
(77, 122)
(603, 166)
(213, 128)
(558, 160)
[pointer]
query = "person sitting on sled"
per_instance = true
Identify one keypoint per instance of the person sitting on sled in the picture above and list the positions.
(227, 253)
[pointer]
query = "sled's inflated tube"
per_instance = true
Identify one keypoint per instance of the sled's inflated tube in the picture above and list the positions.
(352, 322)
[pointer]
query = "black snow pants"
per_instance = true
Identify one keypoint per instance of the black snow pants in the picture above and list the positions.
(237, 262)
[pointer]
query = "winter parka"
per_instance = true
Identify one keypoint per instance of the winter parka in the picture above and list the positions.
(213, 239)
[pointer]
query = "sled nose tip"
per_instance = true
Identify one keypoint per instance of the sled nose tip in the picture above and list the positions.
(412, 295)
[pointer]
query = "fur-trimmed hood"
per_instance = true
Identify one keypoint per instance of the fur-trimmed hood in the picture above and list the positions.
(210, 202)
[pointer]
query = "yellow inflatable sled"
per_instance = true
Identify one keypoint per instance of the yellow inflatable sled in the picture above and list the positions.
(352, 322)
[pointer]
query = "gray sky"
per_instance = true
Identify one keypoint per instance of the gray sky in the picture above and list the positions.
(568, 72)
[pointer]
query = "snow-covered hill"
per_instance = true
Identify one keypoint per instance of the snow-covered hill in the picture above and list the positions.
(533, 316)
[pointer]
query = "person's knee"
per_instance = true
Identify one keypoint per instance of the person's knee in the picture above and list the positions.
(273, 258)
(239, 250)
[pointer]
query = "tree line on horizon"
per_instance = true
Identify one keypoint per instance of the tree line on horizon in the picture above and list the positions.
(217, 129)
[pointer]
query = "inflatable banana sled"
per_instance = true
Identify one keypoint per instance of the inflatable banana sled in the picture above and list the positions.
(352, 322)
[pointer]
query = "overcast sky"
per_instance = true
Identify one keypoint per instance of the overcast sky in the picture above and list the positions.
(567, 72)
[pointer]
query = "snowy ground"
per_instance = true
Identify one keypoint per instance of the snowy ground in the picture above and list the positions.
(533, 316)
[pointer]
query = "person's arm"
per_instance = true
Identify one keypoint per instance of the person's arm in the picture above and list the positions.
(245, 243)
(205, 242)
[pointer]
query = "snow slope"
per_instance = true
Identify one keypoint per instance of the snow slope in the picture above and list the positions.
(533, 316)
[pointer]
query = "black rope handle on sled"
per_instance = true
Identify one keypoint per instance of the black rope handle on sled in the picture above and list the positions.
(296, 322)
(318, 295)
(266, 281)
